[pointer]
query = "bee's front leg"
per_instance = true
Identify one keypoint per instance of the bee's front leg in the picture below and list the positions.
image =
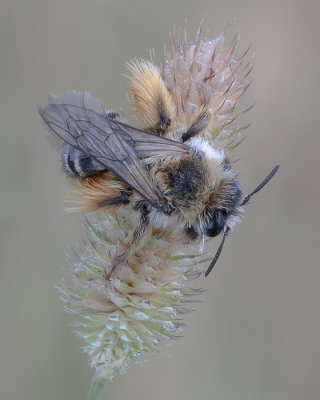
(135, 240)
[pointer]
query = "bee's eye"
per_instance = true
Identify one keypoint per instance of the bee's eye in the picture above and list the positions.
(216, 222)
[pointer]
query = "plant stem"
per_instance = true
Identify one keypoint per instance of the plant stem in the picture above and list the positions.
(95, 389)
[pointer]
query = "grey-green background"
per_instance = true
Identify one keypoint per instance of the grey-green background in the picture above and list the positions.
(256, 335)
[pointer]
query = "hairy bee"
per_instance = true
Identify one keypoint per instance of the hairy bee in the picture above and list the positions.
(168, 172)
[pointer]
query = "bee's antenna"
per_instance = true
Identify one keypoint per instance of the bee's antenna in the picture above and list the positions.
(243, 203)
(262, 184)
(213, 262)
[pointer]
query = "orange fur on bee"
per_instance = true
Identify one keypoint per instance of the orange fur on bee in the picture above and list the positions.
(89, 194)
(150, 97)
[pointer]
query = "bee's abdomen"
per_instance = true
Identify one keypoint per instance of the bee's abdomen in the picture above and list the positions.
(77, 165)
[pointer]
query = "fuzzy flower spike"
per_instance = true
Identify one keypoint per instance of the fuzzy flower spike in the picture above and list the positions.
(131, 282)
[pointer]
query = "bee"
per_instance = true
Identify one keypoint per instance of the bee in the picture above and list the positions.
(169, 174)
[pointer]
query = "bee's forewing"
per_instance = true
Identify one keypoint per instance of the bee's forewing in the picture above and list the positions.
(79, 120)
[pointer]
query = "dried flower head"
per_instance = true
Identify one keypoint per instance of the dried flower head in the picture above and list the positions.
(131, 312)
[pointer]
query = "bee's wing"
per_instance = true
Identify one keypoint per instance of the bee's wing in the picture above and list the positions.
(79, 120)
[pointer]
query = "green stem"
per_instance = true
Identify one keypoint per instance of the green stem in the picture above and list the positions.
(95, 389)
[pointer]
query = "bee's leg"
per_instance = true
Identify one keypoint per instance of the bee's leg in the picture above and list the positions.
(135, 240)
(152, 100)
(102, 192)
(124, 198)
(203, 118)
(162, 125)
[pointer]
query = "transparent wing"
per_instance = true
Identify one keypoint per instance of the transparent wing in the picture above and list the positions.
(79, 120)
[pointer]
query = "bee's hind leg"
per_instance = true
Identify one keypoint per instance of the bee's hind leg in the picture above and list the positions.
(135, 240)
(124, 198)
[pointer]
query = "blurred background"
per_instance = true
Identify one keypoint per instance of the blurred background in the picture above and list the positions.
(256, 336)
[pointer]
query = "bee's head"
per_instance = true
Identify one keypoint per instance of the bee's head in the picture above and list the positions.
(218, 195)
(218, 215)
